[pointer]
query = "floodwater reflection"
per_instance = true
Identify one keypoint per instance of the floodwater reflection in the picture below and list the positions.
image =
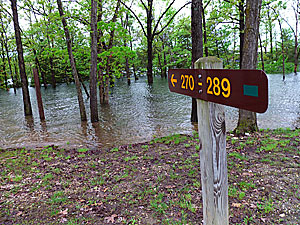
(136, 113)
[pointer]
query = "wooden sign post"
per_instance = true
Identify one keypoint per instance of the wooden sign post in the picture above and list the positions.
(214, 87)
(213, 160)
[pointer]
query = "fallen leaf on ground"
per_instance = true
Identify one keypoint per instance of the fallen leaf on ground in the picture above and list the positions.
(236, 205)
(110, 219)
(64, 212)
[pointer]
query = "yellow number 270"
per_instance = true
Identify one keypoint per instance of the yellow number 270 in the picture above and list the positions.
(215, 87)
(187, 82)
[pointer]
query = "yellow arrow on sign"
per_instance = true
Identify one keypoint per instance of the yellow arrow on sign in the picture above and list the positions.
(173, 80)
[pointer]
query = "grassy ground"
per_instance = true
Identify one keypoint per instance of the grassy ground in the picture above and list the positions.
(157, 182)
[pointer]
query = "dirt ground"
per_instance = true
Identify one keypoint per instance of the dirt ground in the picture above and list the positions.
(156, 182)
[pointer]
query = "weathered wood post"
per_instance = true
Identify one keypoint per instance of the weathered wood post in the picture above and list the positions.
(213, 161)
(38, 94)
(210, 84)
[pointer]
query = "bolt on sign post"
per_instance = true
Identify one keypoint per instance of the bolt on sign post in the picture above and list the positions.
(214, 87)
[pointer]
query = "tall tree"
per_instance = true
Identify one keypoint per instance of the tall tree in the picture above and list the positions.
(3, 64)
(241, 7)
(197, 44)
(152, 29)
(247, 120)
(24, 81)
(72, 62)
(93, 72)
(204, 27)
(296, 53)
(105, 48)
(296, 8)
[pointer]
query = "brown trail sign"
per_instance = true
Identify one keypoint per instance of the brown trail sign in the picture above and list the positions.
(244, 89)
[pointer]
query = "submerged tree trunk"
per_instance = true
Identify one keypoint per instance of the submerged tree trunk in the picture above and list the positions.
(197, 44)
(159, 64)
(16, 71)
(150, 60)
(282, 49)
(261, 54)
(4, 67)
(247, 120)
(149, 42)
(164, 61)
(83, 85)
(133, 64)
(105, 80)
(5, 40)
(72, 62)
(270, 33)
(38, 66)
(24, 81)
(296, 54)
(93, 72)
(127, 71)
(53, 80)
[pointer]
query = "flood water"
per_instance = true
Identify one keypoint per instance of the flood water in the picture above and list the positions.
(136, 113)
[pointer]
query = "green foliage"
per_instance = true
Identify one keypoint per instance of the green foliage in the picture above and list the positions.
(277, 66)
(43, 39)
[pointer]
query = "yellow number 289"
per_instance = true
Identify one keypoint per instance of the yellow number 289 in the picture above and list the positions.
(215, 87)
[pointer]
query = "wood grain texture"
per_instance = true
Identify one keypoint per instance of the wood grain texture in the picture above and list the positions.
(213, 161)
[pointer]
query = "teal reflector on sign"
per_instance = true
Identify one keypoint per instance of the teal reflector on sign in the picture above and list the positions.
(251, 90)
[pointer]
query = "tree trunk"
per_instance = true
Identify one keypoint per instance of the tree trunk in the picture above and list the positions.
(261, 54)
(282, 49)
(271, 34)
(241, 28)
(72, 62)
(134, 73)
(93, 73)
(5, 40)
(165, 64)
(24, 81)
(296, 40)
(133, 65)
(16, 72)
(99, 51)
(38, 65)
(4, 67)
(247, 120)
(149, 42)
(127, 71)
(197, 44)
(83, 85)
(38, 94)
(164, 58)
(150, 60)
(104, 87)
(204, 33)
(160, 65)
(53, 80)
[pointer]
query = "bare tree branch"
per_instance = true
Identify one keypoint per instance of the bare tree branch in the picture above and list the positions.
(206, 4)
(146, 8)
(162, 15)
(135, 16)
(168, 23)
